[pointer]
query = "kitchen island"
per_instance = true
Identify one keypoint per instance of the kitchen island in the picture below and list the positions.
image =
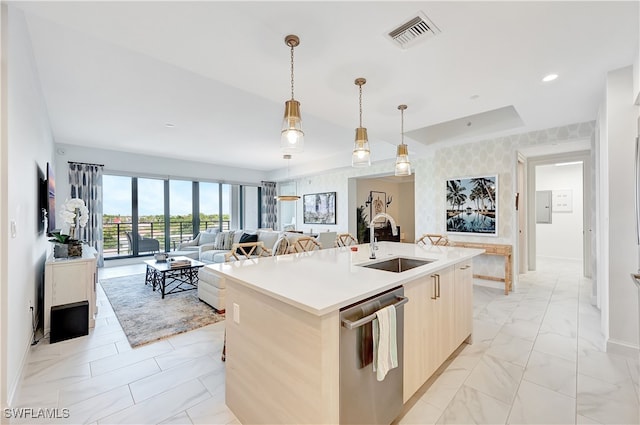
(283, 324)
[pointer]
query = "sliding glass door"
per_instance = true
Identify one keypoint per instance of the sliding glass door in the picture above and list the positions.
(145, 215)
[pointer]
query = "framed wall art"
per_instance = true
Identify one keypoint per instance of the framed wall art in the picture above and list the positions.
(472, 205)
(377, 203)
(319, 208)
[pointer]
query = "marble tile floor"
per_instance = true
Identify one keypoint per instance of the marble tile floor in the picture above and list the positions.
(537, 357)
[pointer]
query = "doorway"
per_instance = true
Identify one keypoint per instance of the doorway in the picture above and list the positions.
(565, 232)
(391, 194)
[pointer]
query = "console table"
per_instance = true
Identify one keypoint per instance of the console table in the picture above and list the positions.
(69, 280)
(493, 249)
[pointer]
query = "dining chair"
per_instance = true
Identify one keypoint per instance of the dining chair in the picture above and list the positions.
(305, 244)
(247, 250)
(433, 238)
(345, 239)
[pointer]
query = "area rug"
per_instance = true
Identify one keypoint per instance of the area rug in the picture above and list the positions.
(146, 317)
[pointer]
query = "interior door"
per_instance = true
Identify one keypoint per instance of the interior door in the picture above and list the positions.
(521, 209)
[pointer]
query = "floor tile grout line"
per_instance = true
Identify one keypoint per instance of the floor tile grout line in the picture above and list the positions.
(531, 351)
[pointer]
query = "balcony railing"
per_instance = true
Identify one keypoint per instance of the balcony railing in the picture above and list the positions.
(116, 243)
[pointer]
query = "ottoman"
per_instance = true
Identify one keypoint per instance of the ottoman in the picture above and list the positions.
(212, 289)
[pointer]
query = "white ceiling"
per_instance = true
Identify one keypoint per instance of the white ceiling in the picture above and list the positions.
(113, 73)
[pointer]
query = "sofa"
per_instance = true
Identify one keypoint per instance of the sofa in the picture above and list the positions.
(217, 252)
(212, 288)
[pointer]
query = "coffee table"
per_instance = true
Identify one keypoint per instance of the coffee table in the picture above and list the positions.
(171, 280)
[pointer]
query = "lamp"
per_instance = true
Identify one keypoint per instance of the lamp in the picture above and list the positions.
(403, 166)
(361, 154)
(287, 197)
(292, 136)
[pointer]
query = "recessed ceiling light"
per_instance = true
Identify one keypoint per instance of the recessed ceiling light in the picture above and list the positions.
(550, 77)
(169, 125)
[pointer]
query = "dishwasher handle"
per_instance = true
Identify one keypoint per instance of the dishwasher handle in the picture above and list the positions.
(352, 325)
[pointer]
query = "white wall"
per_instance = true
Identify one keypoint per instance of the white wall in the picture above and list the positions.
(4, 222)
(30, 146)
(620, 133)
(636, 77)
(124, 163)
(407, 213)
(562, 238)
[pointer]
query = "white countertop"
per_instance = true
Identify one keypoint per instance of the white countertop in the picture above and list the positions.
(323, 281)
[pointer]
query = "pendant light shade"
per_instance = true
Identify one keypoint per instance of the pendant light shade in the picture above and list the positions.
(292, 136)
(287, 197)
(403, 165)
(361, 154)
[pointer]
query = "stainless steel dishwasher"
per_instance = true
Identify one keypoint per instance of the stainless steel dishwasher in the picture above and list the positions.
(364, 399)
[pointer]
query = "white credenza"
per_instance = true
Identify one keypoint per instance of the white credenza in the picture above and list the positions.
(70, 280)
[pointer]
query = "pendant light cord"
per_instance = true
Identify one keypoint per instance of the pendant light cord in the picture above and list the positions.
(402, 126)
(292, 72)
(360, 105)
(402, 108)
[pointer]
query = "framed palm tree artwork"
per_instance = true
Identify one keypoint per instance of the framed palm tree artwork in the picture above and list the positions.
(472, 205)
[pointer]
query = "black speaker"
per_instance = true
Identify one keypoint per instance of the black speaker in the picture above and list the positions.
(69, 321)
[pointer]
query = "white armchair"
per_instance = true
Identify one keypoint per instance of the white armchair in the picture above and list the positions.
(201, 243)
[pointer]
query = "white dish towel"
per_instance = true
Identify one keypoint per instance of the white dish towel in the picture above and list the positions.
(385, 348)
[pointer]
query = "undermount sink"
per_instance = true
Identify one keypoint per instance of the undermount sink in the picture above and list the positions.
(398, 265)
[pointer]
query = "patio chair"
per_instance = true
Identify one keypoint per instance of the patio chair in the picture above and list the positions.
(144, 244)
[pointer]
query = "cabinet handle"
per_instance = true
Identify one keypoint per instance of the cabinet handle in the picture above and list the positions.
(438, 281)
(434, 297)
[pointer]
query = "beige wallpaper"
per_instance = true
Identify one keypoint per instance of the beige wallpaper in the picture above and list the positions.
(492, 156)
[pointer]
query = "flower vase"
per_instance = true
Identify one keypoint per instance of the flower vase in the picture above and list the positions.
(61, 250)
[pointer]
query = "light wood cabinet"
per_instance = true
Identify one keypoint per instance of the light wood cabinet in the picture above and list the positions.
(437, 319)
(441, 319)
(69, 280)
(463, 296)
(416, 348)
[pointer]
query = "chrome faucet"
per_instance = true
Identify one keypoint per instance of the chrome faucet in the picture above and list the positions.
(372, 241)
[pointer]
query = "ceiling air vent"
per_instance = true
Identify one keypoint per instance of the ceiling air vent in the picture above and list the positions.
(416, 29)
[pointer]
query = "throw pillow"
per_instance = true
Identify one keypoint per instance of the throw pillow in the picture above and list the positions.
(246, 237)
(269, 239)
(237, 234)
(206, 237)
(228, 239)
(220, 239)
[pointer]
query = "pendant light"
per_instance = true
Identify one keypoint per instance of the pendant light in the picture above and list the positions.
(292, 136)
(287, 197)
(403, 166)
(361, 154)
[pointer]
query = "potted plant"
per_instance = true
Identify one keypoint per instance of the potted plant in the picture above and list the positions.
(361, 223)
(75, 215)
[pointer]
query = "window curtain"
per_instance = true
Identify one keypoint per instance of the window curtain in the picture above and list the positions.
(85, 181)
(269, 205)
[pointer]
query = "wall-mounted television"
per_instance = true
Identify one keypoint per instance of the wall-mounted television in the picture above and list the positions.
(42, 203)
(51, 198)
